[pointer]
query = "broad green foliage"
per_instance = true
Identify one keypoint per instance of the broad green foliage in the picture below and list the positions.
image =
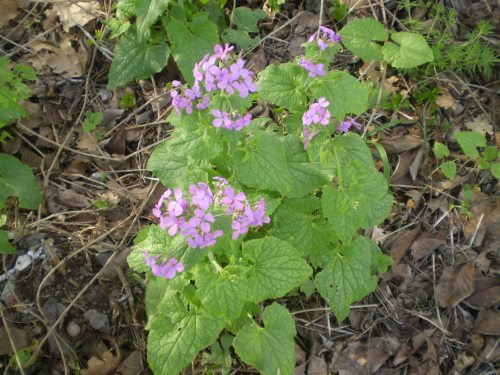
(472, 144)
(270, 348)
(148, 12)
(136, 58)
(17, 180)
(470, 141)
(347, 277)
(283, 85)
(12, 91)
(361, 36)
(319, 192)
(190, 41)
(5, 246)
(408, 50)
(346, 93)
(245, 19)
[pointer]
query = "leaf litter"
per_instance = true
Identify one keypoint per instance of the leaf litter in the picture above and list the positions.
(434, 311)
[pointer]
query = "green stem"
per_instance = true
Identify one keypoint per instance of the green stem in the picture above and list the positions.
(212, 259)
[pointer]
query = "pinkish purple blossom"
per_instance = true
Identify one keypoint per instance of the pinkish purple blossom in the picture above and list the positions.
(163, 268)
(316, 114)
(346, 125)
(314, 70)
(324, 36)
(194, 218)
(230, 122)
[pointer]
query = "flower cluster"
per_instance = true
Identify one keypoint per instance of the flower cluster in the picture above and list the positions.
(231, 122)
(314, 70)
(316, 114)
(216, 72)
(194, 219)
(165, 268)
(324, 36)
(346, 125)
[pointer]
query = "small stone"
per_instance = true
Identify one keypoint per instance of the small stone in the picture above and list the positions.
(97, 320)
(73, 329)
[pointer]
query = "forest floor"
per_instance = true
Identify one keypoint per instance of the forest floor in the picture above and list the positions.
(74, 306)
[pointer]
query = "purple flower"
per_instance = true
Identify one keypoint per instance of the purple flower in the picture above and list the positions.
(201, 195)
(316, 114)
(346, 125)
(232, 201)
(224, 120)
(166, 268)
(323, 37)
(313, 69)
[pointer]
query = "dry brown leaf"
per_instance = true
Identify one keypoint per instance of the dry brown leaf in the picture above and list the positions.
(62, 59)
(486, 293)
(485, 219)
(426, 244)
(72, 199)
(117, 143)
(132, 365)
(87, 142)
(415, 164)
(19, 337)
(372, 70)
(317, 366)
(103, 365)
(390, 84)
(455, 284)
(75, 13)
(365, 358)
(481, 124)
(402, 355)
(9, 10)
(488, 323)
(446, 101)
(401, 245)
(400, 144)
(405, 161)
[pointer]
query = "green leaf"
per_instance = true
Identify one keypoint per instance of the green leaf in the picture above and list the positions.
(469, 141)
(125, 9)
(276, 268)
(344, 92)
(495, 170)
(172, 349)
(306, 177)
(191, 41)
(17, 180)
(449, 169)
(360, 199)
(246, 19)
(263, 163)
(440, 150)
(270, 349)
(223, 294)
(201, 144)
(283, 85)
(176, 170)
(490, 153)
(347, 277)
(148, 12)
(408, 51)
(295, 223)
(158, 241)
(241, 38)
(359, 37)
(134, 58)
(5, 246)
(92, 120)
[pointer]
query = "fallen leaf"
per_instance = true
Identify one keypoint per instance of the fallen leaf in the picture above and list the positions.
(403, 242)
(365, 358)
(9, 10)
(481, 124)
(455, 284)
(485, 220)
(317, 366)
(446, 101)
(372, 71)
(402, 355)
(415, 164)
(486, 293)
(70, 198)
(390, 84)
(75, 13)
(103, 365)
(400, 144)
(132, 365)
(405, 161)
(117, 143)
(488, 323)
(426, 244)
(19, 337)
